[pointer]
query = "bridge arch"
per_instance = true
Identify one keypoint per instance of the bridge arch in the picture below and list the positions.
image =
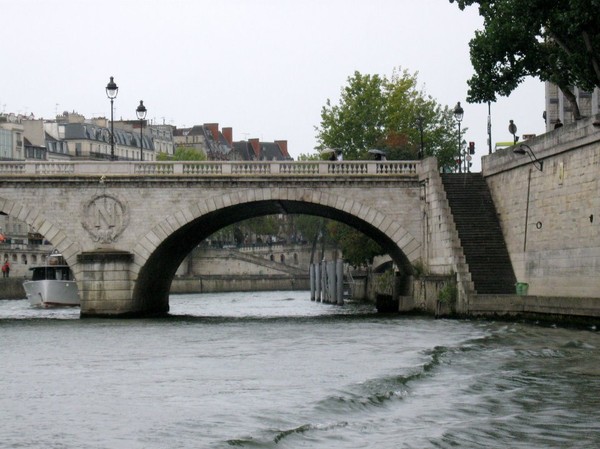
(52, 232)
(159, 252)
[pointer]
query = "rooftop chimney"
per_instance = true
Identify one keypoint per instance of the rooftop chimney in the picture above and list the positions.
(214, 129)
(228, 134)
(255, 147)
(283, 147)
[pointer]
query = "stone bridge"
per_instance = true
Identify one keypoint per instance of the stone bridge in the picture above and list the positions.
(125, 227)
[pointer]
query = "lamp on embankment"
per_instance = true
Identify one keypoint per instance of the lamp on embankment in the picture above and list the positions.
(458, 115)
(111, 92)
(419, 122)
(141, 115)
(523, 149)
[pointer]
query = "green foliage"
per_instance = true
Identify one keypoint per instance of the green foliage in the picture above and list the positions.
(384, 283)
(448, 294)
(264, 225)
(308, 225)
(357, 248)
(183, 154)
(556, 41)
(309, 157)
(419, 269)
(236, 233)
(383, 113)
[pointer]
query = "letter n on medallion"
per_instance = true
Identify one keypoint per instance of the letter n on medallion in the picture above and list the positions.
(105, 217)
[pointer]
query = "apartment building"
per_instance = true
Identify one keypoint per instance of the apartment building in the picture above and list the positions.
(559, 108)
(218, 144)
(12, 145)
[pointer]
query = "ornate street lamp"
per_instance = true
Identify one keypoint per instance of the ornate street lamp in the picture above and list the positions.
(141, 115)
(111, 92)
(458, 115)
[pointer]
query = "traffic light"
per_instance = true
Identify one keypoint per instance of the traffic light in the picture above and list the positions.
(471, 147)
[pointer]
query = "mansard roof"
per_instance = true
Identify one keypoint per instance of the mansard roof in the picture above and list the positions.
(268, 151)
(89, 131)
(271, 151)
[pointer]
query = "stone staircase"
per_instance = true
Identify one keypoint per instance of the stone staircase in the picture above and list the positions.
(479, 232)
(261, 261)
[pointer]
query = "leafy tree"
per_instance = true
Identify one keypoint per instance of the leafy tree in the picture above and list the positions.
(556, 41)
(357, 248)
(309, 157)
(384, 113)
(263, 225)
(183, 154)
(312, 228)
(238, 235)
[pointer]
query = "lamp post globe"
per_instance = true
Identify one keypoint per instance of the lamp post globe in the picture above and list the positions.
(458, 115)
(459, 112)
(111, 92)
(141, 115)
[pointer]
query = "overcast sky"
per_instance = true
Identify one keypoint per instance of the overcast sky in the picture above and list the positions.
(263, 67)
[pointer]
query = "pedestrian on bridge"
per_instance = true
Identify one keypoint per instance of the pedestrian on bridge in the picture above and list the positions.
(5, 269)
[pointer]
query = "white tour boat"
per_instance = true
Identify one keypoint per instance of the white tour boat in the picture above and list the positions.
(52, 284)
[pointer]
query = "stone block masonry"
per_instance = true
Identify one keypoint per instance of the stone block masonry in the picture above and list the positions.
(125, 227)
(551, 217)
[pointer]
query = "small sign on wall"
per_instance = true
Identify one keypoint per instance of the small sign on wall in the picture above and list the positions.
(561, 173)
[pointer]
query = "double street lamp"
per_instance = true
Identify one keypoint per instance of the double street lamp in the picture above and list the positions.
(111, 92)
(141, 115)
(458, 115)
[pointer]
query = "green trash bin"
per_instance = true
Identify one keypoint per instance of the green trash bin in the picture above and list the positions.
(522, 288)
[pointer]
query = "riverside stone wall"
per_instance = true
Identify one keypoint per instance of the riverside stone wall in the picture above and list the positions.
(551, 217)
(215, 284)
(12, 288)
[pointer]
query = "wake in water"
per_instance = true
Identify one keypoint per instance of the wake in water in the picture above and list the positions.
(480, 393)
(340, 415)
(280, 371)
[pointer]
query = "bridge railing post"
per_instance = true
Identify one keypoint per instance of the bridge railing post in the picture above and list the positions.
(30, 168)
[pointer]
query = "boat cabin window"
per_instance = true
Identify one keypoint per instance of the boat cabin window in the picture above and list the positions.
(52, 273)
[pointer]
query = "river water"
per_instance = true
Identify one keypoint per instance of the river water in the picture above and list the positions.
(275, 370)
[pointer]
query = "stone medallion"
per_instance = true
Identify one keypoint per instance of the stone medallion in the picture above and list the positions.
(105, 217)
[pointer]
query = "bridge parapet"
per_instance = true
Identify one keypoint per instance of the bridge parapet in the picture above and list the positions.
(211, 168)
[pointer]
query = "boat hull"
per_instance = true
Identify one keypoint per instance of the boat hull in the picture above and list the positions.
(52, 293)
